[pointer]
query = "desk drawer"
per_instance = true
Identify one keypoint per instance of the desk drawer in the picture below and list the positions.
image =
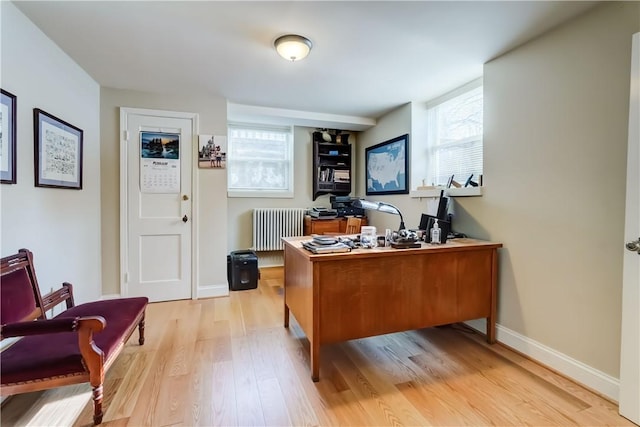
(325, 226)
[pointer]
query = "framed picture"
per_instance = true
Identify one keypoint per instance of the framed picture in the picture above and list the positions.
(387, 167)
(8, 138)
(58, 152)
(212, 151)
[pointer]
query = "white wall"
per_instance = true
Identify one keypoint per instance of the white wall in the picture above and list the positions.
(61, 226)
(211, 217)
(555, 124)
(556, 112)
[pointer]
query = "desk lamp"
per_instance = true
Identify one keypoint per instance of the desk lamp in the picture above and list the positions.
(379, 206)
(404, 238)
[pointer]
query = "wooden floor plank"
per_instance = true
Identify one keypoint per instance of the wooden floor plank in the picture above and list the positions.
(246, 386)
(273, 402)
(129, 389)
(298, 405)
(229, 361)
(200, 411)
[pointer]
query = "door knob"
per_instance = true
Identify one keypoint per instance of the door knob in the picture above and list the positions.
(633, 246)
(185, 219)
(185, 197)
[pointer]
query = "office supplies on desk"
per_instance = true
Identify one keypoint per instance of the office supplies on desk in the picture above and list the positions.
(368, 237)
(324, 240)
(319, 248)
(405, 239)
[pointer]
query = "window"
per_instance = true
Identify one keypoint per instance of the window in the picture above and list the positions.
(454, 136)
(260, 161)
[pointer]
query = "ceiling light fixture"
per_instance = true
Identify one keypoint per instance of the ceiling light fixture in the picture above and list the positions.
(293, 47)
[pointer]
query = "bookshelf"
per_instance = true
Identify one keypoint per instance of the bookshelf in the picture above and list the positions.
(331, 166)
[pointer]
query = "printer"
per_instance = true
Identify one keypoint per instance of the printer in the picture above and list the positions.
(323, 213)
(343, 205)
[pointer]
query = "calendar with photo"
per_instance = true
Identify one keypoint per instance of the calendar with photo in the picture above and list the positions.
(159, 162)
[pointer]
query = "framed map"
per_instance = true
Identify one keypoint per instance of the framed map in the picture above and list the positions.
(386, 167)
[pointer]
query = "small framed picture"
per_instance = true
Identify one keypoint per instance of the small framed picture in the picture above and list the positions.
(8, 138)
(58, 152)
(212, 151)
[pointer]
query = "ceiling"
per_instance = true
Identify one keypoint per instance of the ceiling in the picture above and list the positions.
(368, 57)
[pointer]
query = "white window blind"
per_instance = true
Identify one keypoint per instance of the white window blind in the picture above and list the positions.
(455, 138)
(260, 161)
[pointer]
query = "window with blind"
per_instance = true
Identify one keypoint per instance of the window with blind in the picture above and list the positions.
(454, 138)
(260, 161)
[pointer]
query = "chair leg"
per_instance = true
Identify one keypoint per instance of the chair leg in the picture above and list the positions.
(141, 331)
(97, 405)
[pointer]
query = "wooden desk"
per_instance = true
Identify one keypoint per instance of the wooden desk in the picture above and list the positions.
(367, 292)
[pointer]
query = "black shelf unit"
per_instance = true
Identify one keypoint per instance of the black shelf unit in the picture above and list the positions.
(331, 166)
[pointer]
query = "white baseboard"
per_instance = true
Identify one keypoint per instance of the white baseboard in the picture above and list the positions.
(586, 375)
(212, 291)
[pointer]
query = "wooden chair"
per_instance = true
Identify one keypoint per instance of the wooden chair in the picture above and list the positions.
(353, 225)
(76, 346)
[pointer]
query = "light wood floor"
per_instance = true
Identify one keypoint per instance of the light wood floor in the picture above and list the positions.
(229, 361)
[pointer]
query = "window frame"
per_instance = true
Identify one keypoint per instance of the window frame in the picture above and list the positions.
(421, 181)
(430, 147)
(287, 193)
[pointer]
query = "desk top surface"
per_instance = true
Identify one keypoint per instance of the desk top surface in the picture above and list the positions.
(452, 245)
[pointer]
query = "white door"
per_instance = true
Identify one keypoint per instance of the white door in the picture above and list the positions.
(630, 344)
(156, 224)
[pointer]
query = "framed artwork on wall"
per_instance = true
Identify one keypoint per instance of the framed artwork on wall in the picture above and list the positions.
(212, 151)
(8, 138)
(58, 152)
(387, 167)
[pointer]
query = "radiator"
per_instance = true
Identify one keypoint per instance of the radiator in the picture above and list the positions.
(270, 224)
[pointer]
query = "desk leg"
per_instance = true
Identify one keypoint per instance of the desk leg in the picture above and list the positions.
(315, 360)
(286, 315)
(491, 330)
(491, 320)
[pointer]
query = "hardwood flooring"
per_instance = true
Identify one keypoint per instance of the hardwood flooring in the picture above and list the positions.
(229, 361)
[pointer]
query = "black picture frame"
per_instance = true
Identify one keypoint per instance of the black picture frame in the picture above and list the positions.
(57, 152)
(8, 108)
(387, 167)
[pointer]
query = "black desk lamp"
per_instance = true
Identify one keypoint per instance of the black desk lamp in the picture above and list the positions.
(379, 206)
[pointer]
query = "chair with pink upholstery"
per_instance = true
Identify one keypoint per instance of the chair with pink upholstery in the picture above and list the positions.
(78, 345)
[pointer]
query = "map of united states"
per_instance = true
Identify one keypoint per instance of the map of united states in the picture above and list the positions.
(385, 167)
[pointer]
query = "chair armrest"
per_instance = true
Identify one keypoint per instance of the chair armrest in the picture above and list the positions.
(39, 327)
(52, 299)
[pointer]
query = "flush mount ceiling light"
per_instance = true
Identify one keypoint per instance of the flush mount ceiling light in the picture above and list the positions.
(293, 47)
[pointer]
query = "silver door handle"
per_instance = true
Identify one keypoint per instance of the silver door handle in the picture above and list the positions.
(633, 246)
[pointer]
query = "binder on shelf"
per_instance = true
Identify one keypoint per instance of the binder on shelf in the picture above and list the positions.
(341, 175)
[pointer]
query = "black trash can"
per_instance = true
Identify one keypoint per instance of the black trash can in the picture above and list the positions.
(242, 270)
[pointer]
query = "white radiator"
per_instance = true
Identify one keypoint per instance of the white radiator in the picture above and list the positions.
(270, 224)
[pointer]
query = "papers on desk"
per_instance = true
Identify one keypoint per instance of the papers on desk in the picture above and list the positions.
(325, 246)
